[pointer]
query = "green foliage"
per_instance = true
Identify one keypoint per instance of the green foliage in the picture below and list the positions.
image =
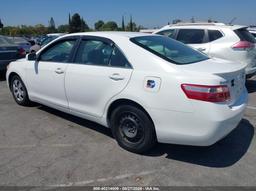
(84, 26)
(24, 30)
(77, 24)
(1, 24)
(98, 25)
(52, 28)
(110, 26)
(123, 25)
(63, 28)
(132, 27)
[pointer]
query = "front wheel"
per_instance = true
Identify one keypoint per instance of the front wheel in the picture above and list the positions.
(19, 91)
(133, 129)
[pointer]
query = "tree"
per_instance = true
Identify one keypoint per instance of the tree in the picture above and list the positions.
(123, 25)
(110, 26)
(131, 24)
(84, 26)
(77, 24)
(69, 19)
(63, 28)
(98, 25)
(52, 27)
(1, 24)
(193, 20)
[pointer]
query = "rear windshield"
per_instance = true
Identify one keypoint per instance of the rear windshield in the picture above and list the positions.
(245, 35)
(169, 49)
(254, 34)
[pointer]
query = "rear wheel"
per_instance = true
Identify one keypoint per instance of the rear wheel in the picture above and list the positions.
(19, 91)
(132, 128)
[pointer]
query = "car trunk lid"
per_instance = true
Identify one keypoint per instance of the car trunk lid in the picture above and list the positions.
(232, 74)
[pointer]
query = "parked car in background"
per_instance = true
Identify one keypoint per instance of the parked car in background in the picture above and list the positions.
(44, 41)
(146, 88)
(9, 52)
(230, 42)
(253, 32)
(21, 42)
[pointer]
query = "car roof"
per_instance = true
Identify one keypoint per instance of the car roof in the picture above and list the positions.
(110, 34)
(55, 34)
(204, 26)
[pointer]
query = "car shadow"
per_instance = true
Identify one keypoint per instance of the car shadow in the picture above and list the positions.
(2, 76)
(251, 85)
(77, 120)
(222, 154)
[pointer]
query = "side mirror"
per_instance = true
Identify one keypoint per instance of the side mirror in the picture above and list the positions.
(31, 56)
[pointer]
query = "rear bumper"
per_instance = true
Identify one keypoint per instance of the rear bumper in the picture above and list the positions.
(207, 125)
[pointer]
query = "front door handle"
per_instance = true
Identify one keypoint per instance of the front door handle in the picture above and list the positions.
(59, 71)
(116, 77)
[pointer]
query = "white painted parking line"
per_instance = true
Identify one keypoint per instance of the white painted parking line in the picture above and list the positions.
(118, 177)
(251, 107)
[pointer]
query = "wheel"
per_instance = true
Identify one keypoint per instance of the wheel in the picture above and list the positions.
(19, 91)
(132, 129)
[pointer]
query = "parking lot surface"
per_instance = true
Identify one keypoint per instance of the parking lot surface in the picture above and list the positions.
(40, 146)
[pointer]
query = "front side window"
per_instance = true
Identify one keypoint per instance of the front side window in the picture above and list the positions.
(96, 52)
(59, 52)
(214, 35)
(169, 49)
(191, 36)
(168, 33)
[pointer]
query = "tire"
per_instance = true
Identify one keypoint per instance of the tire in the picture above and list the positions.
(132, 129)
(19, 91)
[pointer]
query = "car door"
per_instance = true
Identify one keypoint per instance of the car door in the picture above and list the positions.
(196, 38)
(46, 74)
(99, 72)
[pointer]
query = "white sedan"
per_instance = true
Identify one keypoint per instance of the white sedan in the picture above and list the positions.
(146, 88)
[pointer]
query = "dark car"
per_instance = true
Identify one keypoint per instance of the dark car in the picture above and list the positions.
(9, 52)
(21, 42)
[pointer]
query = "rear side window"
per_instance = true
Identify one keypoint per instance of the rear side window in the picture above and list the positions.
(191, 36)
(245, 35)
(169, 49)
(168, 33)
(214, 35)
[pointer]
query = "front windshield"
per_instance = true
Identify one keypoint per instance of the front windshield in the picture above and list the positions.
(169, 49)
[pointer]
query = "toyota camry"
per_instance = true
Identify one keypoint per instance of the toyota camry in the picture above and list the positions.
(146, 88)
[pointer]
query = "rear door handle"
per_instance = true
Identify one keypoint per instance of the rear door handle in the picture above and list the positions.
(59, 71)
(116, 77)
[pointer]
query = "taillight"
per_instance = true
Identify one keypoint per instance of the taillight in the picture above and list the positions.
(22, 52)
(243, 45)
(207, 93)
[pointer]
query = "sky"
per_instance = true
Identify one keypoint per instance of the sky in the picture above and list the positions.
(148, 13)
